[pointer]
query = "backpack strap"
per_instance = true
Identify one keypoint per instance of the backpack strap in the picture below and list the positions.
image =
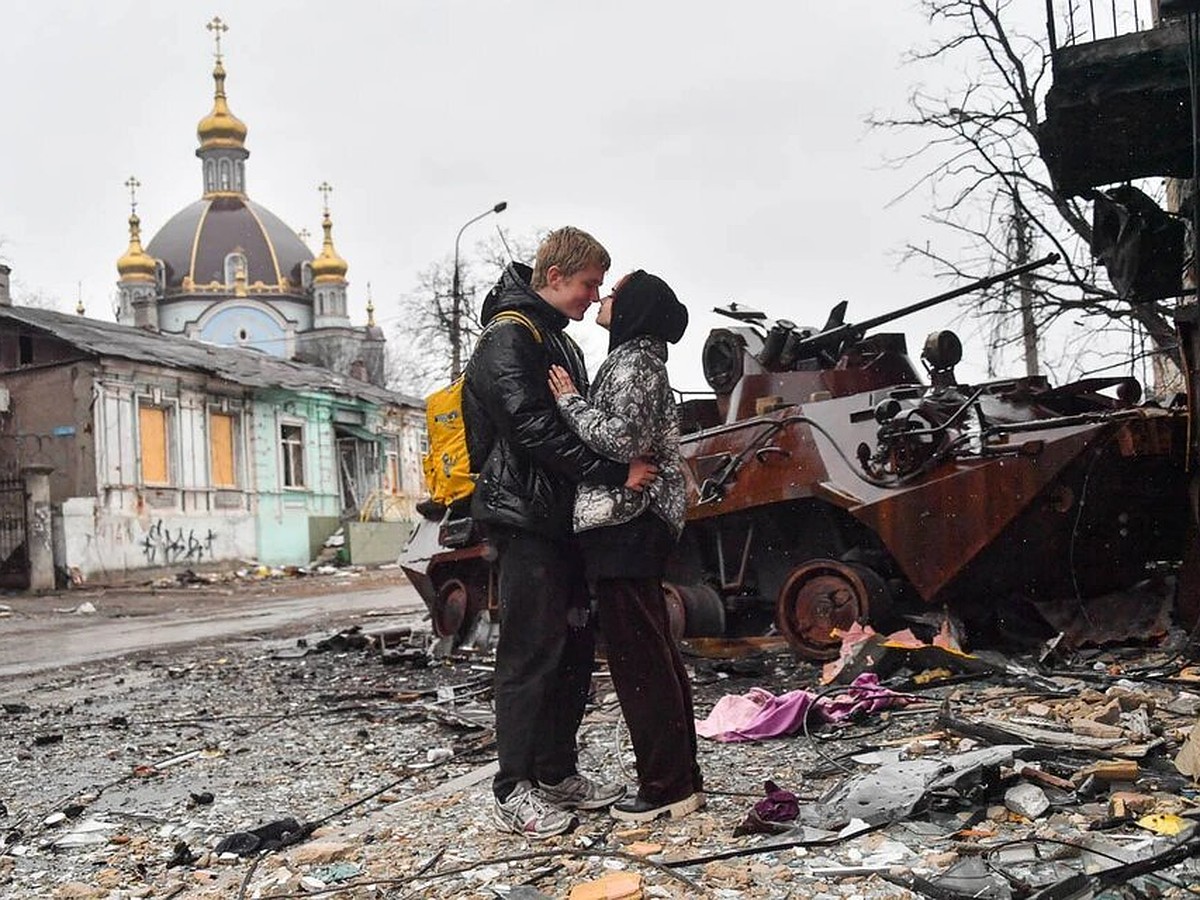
(512, 315)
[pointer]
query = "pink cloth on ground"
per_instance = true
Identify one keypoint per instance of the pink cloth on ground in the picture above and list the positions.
(759, 714)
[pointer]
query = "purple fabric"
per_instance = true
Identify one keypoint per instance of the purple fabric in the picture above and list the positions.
(759, 714)
(771, 815)
(778, 806)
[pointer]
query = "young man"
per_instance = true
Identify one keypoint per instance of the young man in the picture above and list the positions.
(529, 463)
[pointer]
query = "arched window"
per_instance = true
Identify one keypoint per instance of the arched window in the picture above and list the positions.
(210, 175)
(225, 176)
(234, 263)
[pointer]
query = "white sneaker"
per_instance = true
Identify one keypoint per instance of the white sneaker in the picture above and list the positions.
(580, 792)
(527, 812)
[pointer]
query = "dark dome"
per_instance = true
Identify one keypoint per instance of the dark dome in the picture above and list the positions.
(195, 241)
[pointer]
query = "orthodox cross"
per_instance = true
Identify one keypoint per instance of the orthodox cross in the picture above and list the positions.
(133, 184)
(326, 189)
(218, 28)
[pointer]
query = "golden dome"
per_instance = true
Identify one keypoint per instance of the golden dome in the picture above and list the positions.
(221, 128)
(136, 264)
(329, 266)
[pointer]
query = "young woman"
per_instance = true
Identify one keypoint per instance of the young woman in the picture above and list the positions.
(626, 537)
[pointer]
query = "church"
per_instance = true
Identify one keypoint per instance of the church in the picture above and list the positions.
(228, 271)
(233, 413)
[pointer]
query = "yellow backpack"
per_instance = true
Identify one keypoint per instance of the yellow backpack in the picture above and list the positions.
(447, 464)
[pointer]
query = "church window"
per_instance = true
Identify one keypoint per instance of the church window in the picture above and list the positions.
(224, 172)
(306, 276)
(291, 445)
(152, 445)
(210, 179)
(234, 263)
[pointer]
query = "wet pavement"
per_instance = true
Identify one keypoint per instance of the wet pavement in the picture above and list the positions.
(74, 627)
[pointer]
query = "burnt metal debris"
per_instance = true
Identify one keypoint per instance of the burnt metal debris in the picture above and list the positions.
(829, 485)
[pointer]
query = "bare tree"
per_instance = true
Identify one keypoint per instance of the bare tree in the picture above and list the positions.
(37, 298)
(23, 295)
(420, 348)
(991, 190)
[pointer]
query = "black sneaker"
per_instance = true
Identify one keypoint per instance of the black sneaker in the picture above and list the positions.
(635, 809)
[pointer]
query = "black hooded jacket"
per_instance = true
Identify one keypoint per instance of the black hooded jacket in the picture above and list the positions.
(528, 460)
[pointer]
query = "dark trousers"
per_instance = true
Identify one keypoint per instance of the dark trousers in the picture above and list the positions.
(652, 686)
(543, 659)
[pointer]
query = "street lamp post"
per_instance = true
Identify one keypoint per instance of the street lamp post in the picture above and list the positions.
(456, 296)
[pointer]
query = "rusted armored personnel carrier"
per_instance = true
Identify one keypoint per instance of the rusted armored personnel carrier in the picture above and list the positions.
(830, 484)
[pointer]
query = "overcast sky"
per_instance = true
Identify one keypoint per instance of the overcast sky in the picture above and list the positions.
(720, 145)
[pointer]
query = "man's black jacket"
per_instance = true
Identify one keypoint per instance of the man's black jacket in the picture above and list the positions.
(527, 458)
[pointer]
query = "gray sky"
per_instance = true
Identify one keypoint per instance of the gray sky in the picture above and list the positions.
(720, 145)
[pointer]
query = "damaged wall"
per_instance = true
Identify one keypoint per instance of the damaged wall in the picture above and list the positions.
(58, 433)
(155, 462)
(405, 476)
(106, 543)
(187, 509)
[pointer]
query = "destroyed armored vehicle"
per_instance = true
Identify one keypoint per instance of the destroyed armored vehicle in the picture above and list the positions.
(829, 485)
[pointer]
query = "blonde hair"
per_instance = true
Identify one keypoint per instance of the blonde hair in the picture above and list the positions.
(572, 250)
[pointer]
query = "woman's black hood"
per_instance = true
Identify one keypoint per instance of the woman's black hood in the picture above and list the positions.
(645, 305)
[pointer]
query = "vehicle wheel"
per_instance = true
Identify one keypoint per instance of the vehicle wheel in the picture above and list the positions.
(694, 610)
(823, 595)
(450, 608)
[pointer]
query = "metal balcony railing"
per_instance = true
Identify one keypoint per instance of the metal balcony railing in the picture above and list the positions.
(1072, 22)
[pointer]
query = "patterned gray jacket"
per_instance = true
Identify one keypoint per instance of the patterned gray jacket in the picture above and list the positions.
(631, 413)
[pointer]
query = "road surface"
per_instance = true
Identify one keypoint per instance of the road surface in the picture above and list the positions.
(50, 639)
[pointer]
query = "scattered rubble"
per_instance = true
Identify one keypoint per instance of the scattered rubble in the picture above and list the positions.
(363, 765)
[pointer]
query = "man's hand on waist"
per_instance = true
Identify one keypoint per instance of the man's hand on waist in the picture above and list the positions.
(642, 472)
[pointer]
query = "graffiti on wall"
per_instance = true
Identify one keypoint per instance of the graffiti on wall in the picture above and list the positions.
(39, 526)
(163, 548)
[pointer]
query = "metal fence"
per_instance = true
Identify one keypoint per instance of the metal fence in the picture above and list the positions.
(1073, 22)
(14, 549)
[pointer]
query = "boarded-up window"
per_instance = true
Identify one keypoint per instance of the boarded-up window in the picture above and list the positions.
(221, 450)
(152, 430)
(291, 440)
